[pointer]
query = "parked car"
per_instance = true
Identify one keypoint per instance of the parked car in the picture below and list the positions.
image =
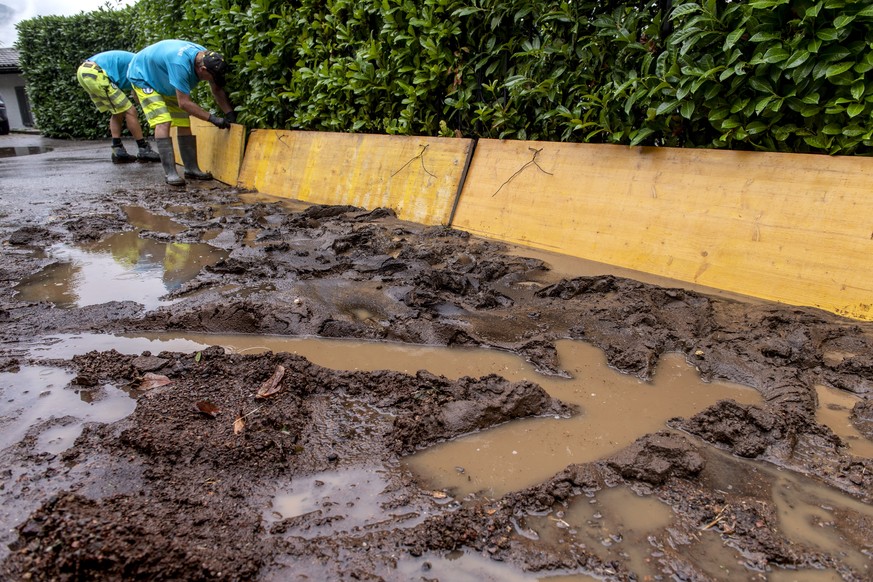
(4, 118)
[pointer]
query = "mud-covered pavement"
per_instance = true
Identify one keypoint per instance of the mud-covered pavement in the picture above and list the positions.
(181, 488)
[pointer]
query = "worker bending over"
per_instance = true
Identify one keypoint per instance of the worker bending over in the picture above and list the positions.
(104, 78)
(163, 76)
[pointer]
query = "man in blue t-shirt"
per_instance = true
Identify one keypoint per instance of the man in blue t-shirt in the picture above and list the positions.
(104, 78)
(163, 76)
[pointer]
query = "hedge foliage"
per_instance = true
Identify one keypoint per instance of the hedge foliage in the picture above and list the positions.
(777, 75)
(51, 49)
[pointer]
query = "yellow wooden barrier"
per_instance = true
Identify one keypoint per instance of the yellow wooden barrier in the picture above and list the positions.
(793, 228)
(418, 177)
(219, 151)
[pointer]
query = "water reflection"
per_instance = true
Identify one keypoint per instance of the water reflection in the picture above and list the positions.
(11, 152)
(123, 267)
(37, 394)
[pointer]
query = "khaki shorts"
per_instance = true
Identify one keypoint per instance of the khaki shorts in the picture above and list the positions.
(103, 92)
(161, 108)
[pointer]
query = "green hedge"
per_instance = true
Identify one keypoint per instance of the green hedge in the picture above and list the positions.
(51, 49)
(777, 75)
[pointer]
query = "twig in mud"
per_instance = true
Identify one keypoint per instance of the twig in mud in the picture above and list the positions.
(251, 412)
(533, 161)
(717, 519)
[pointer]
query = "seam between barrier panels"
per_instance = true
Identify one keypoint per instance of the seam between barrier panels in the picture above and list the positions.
(462, 181)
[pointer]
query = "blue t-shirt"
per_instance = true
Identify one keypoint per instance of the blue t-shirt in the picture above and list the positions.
(114, 64)
(166, 66)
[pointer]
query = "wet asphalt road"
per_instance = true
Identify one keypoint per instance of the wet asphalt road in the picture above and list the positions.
(32, 185)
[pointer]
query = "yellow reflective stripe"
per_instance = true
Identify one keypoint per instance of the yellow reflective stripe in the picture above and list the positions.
(155, 111)
(149, 100)
(117, 97)
(160, 109)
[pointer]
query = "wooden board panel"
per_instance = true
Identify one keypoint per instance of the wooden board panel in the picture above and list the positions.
(219, 151)
(418, 177)
(793, 228)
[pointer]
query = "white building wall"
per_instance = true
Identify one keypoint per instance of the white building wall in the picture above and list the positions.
(8, 83)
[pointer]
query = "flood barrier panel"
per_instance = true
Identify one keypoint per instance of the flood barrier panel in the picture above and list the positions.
(418, 177)
(792, 228)
(219, 151)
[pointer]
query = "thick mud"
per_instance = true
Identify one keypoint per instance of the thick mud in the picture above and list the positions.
(182, 488)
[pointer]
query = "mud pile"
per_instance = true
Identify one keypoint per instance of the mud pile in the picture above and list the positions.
(177, 490)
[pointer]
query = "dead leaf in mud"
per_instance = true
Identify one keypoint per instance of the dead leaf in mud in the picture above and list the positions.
(438, 494)
(272, 386)
(239, 424)
(207, 408)
(150, 380)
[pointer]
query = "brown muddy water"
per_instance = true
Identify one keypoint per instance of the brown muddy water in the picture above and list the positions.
(616, 409)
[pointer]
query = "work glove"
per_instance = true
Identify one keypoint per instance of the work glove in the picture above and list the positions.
(230, 116)
(219, 122)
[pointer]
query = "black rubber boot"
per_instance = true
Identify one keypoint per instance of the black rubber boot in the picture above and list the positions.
(147, 154)
(168, 161)
(120, 155)
(188, 152)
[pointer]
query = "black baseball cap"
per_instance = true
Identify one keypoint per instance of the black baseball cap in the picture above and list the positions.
(216, 65)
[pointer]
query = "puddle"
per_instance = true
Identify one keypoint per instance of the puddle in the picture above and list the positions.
(65, 346)
(614, 524)
(810, 515)
(824, 519)
(460, 566)
(804, 576)
(39, 394)
(617, 524)
(616, 410)
(11, 152)
(337, 501)
(142, 219)
(455, 566)
(834, 410)
(123, 267)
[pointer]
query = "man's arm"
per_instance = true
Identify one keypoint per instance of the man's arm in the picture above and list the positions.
(191, 108)
(220, 96)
